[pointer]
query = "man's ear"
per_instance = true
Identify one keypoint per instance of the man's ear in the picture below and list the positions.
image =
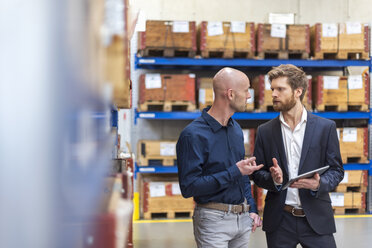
(298, 92)
(230, 94)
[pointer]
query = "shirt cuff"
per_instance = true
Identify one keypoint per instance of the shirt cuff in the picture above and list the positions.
(234, 172)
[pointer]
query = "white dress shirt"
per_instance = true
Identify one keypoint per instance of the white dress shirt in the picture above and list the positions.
(293, 146)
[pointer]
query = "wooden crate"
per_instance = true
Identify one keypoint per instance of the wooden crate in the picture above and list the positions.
(156, 152)
(298, 41)
(168, 39)
(352, 201)
(267, 45)
(330, 93)
(262, 93)
(308, 98)
(354, 144)
(167, 92)
(354, 181)
(324, 44)
(162, 196)
(249, 139)
(353, 45)
(358, 93)
(222, 42)
(117, 71)
(205, 92)
(260, 195)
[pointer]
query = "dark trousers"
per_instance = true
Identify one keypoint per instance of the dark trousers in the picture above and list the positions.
(296, 230)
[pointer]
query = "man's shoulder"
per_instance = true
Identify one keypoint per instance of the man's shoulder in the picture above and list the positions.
(196, 127)
(320, 120)
(268, 125)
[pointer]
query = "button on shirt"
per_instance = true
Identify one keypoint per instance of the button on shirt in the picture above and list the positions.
(207, 153)
(293, 146)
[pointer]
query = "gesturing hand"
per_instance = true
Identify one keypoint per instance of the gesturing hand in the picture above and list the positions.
(248, 166)
(307, 183)
(276, 172)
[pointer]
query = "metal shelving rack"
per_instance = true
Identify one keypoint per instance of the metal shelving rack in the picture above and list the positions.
(152, 63)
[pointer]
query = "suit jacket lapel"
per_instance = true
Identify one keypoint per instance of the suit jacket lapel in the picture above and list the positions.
(309, 131)
(278, 138)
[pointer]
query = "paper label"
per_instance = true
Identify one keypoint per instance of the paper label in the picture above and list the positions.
(355, 82)
(331, 82)
(346, 177)
(267, 83)
(338, 199)
(281, 18)
(251, 99)
(246, 136)
(350, 134)
(153, 81)
(202, 96)
(157, 189)
(192, 75)
(264, 191)
(167, 149)
(176, 190)
(278, 30)
(237, 27)
(329, 30)
(180, 27)
(353, 28)
(215, 28)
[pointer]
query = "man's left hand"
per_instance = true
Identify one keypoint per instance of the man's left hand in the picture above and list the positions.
(307, 183)
(257, 222)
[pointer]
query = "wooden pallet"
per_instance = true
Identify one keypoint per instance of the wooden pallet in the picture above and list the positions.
(345, 54)
(325, 55)
(226, 53)
(358, 95)
(351, 188)
(167, 106)
(354, 150)
(167, 214)
(356, 158)
(331, 107)
(323, 47)
(166, 52)
(358, 107)
(330, 97)
(342, 210)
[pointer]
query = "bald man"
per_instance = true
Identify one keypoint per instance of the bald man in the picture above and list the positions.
(212, 168)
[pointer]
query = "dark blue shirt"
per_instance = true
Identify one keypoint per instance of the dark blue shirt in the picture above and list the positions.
(207, 153)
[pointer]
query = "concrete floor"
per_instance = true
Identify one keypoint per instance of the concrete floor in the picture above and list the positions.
(352, 231)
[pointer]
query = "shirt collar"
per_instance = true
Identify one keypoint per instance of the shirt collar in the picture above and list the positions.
(213, 123)
(303, 117)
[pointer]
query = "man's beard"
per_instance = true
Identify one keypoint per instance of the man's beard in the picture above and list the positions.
(284, 107)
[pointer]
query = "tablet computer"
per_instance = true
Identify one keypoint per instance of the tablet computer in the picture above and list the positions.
(306, 175)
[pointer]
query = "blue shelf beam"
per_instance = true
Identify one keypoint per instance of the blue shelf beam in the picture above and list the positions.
(195, 63)
(245, 115)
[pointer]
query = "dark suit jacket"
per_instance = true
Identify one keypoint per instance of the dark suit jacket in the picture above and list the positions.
(320, 147)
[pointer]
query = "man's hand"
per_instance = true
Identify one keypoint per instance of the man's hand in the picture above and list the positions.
(307, 183)
(248, 166)
(257, 222)
(276, 172)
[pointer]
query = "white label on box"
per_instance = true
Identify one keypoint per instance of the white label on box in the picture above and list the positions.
(355, 82)
(267, 83)
(176, 190)
(329, 30)
(192, 75)
(338, 199)
(246, 136)
(153, 81)
(353, 28)
(264, 191)
(237, 27)
(350, 134)
(309, 77)
(157, 189)
(281, 18)
(167, 149)
(215, 28)
(202, 96)
(180, 27)
(331, 82)
(278, 30)
(346, 177)
(338, 133)
(251, 99)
